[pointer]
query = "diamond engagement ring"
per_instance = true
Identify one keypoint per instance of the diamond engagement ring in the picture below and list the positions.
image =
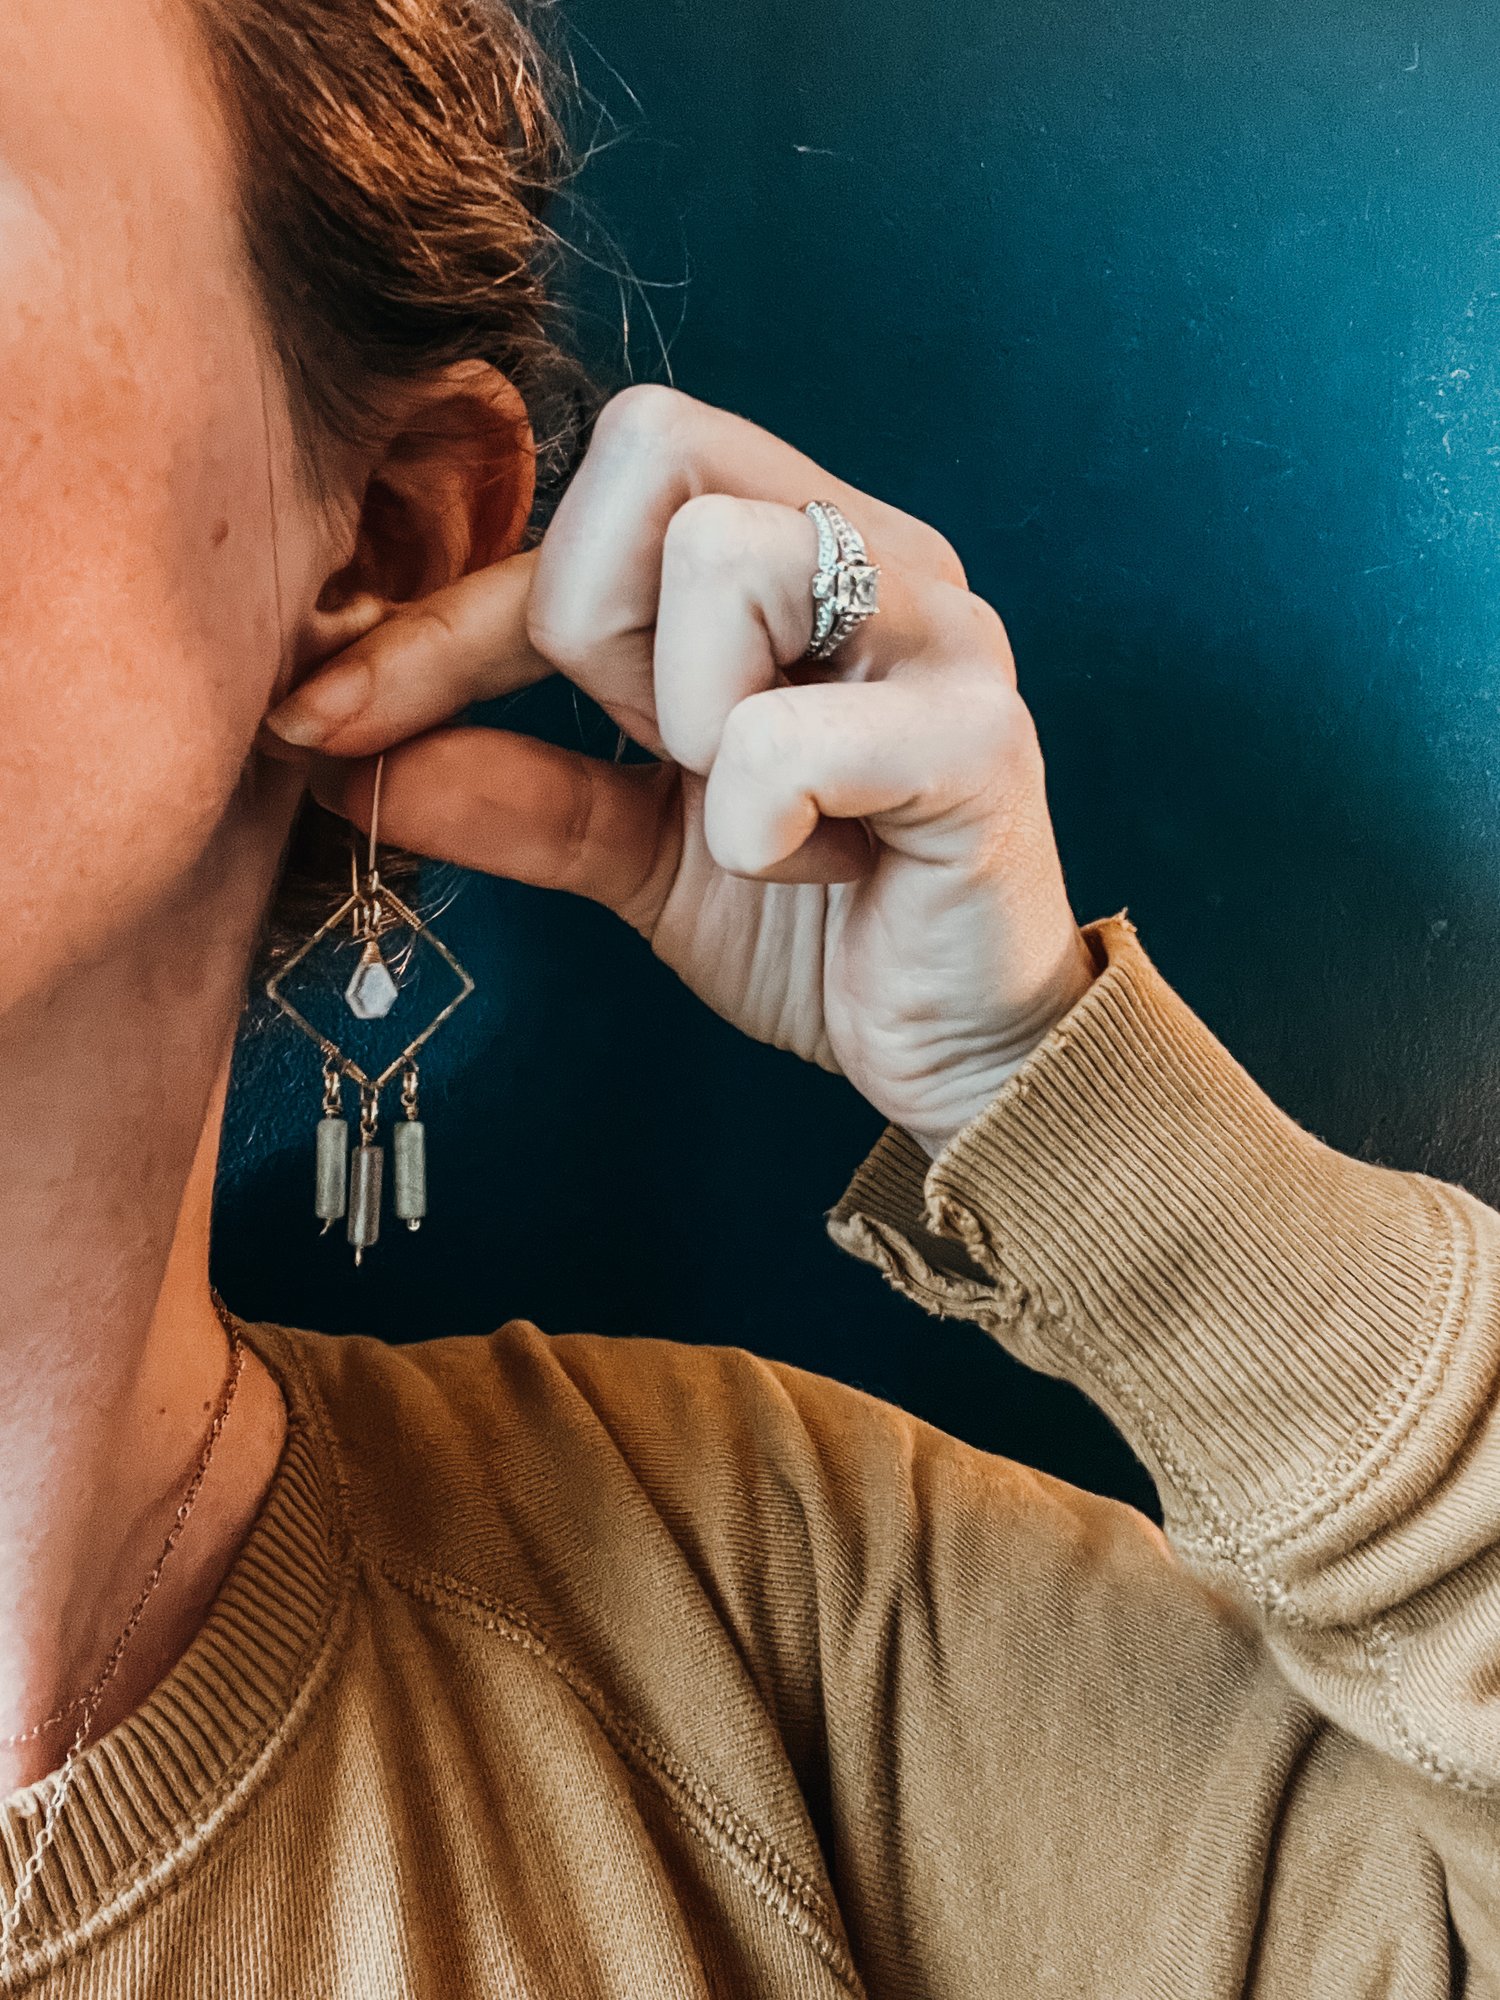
(844, 588)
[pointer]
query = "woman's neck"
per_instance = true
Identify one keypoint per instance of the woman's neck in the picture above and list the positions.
(111, 1353)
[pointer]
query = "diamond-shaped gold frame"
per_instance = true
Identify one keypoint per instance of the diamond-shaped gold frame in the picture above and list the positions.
(346, 1065)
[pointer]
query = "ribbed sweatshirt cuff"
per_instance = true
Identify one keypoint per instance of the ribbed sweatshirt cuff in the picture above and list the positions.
(1263, 1317)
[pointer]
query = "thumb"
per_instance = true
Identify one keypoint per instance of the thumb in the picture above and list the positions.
(509, 805)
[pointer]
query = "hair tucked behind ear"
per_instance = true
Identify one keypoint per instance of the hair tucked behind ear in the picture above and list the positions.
(396, 159)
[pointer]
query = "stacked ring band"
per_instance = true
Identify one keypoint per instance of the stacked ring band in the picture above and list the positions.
(845, 586)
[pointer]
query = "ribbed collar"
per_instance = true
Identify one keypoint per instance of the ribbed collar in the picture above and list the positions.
(148, 1793)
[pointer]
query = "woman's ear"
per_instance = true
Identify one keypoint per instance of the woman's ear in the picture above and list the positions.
(450, 490)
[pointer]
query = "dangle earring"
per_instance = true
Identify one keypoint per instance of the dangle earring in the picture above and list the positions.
(350, 1180)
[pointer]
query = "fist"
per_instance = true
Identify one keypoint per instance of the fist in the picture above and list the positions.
(853, 861)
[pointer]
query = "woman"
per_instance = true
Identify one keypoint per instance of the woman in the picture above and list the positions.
(577, 1667)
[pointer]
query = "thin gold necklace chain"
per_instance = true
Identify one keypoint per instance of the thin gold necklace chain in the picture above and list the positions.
(111, 1665)
(87, 1704)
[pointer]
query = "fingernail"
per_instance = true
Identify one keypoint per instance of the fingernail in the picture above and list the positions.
(321, 705)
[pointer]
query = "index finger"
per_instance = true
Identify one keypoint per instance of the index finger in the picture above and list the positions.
(466, 642)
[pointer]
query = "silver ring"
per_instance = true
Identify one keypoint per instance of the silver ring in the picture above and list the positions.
(844, 587)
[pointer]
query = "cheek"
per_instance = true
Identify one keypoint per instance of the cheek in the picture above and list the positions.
(139, 631)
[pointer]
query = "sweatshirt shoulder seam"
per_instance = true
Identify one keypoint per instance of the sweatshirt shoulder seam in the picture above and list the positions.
(711, 1819)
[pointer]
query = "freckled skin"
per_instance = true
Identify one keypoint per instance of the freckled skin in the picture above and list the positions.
(138, 622)
(140, 642)
(164, 576)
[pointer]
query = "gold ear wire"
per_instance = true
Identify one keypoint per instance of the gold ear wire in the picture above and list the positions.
(372, 871)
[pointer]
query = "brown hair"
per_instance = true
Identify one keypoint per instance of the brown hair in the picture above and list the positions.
(396, 159)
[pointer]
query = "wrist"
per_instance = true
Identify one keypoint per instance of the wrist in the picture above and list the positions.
(1077, 969)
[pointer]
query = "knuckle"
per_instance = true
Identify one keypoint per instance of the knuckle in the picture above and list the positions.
(969, 628)
(945, 560)
(927, 550)
(992, 639)
(939, 556)
(763, 733)
(709, 532)
(999, 731)
(429, 627)
(642, 415)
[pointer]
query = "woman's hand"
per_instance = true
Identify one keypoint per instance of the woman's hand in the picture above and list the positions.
(853, 861)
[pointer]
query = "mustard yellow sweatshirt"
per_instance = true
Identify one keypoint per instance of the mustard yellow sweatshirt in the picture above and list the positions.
(573, 1667)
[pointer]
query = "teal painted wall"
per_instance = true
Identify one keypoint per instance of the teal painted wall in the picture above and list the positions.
(1183, 322)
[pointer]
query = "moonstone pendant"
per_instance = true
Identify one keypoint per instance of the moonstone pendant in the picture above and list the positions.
(372, 992)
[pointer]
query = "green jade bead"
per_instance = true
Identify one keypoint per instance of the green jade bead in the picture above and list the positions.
(409, 1143)
(366, 1175)
(333, 1169)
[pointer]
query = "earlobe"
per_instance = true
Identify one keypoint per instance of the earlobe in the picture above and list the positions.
(449, 491)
